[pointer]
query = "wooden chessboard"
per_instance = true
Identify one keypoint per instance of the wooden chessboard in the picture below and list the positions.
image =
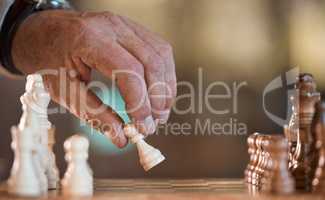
(194, 189)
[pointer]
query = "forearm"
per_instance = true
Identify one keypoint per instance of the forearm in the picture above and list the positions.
(13, 12)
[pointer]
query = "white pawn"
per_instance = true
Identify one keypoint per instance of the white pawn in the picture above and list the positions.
(23, 180)
(149, 156)
(78, 180)
(52, 171)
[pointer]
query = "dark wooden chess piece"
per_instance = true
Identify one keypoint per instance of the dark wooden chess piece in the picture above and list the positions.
(278, 179)
(319, 180)
(318, 128)
(253, 155)
(291, 132)
(305, 149)
(263, 159)
(265, 178)
(259, 159)
(257, 171)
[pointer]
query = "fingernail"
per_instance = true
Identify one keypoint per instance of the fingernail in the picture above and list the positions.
(112, 135)
(163, 118)
(150, 125)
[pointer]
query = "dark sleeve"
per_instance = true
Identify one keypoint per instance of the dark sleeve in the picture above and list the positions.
(13, 14)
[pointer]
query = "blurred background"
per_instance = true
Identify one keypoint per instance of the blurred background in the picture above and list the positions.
(252, 41)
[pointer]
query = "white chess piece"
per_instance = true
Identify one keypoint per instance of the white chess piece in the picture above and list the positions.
(149, 156)
(78, 180)
(23, 180)
(34, 124)
(52, 171)
(41, 101)
(35, 102)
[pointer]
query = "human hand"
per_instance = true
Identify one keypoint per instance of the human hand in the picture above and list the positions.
(80, 42)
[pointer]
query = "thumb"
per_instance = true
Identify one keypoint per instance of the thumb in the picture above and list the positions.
(81, 101)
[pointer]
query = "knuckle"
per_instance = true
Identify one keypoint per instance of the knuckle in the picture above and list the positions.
(158, 105)
(81, 30)
(156, 64)
(107, 13)
(135, 67)
(131, 73)
(171, 95)
(165, 50)
(157, 97)
(171, 88)
(79, 24)
(169, 102)
(142, 113)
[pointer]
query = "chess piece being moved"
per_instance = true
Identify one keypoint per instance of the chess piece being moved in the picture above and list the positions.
(78, 180)
(52, 172)
(24, 179)
(149, 156)
(308, 97)
(278, 179)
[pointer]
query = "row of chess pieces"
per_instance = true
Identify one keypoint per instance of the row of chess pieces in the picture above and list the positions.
(34, 169)
(293, 161)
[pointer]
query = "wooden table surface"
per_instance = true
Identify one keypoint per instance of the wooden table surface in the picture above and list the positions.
(189, 189)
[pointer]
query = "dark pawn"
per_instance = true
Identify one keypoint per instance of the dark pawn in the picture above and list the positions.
(278, 179)
(253, 155)
(263, 160)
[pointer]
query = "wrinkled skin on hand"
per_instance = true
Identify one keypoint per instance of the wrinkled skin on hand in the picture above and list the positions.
(80, 42)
